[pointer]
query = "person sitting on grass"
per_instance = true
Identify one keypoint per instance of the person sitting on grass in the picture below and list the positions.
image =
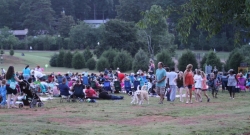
(105, 95)
(90, 93)
(64, 89)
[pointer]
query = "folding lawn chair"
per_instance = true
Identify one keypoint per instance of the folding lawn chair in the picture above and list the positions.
(106, 86)
(117, 85)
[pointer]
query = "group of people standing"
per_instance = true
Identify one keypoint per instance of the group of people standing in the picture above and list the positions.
(168, 82)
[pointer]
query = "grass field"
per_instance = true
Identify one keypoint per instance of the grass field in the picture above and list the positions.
(221, 116)
(42, 57)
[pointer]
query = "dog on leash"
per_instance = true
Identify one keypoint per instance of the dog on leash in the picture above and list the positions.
(140, 95)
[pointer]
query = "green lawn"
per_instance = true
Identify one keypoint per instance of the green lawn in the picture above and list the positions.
(221, 116)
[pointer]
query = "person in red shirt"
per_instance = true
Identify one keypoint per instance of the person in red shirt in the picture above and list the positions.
(90, 93)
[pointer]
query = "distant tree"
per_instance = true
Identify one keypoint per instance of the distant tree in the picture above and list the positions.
(53, 60)
(165, 57)
(2, 51)
(102, 63)
(67, 60)
(65, 24)
(91, 64)
(60, 58)
(235, 58)
(87, 54)
(141, 61)
(11, 51)
(110, 55)
(213, 60)
(78, 61)
(203, 62)
(7, 38)
(123, 60)
(187, 58)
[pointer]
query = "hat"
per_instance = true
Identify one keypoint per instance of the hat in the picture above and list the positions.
(58, 73)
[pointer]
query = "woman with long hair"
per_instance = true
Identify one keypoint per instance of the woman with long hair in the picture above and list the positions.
(188, 82)
(180, 86)
(11, 86)
(232, 82)
(204, 86)
(198, 80)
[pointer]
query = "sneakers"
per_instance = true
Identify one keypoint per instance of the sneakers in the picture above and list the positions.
(208, 100)
(161, 102)
(187, 102)
(191, 102)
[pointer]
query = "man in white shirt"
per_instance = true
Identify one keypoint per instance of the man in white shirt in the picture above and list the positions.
(38, 75)
(172, 76)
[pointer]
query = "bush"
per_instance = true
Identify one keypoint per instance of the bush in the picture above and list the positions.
(140, 61)
(78, 61)
(102, 64)
(110, 55)
(123, 60)
(2, 51)
(187, 58)
(213, 60)
(165, 57)
(60, 58)
(234, 60)
(11, 51)
(203, 62)
(53, 60)
(87, 54)
(67, 59)
(91, 63)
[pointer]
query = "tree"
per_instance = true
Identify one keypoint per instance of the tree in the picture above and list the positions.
(187, 58)
(65, 24)
(87, 54)
(120, 35)
(165, 57)
(60, 58)
(110, 55)
(123, 60)
(11, 51)
(7, 39)
(66, 6)
(140, 61)
(38, 16)
(91, 64)
(53, 60)
(102, 63)
(203, 61)
(154, 29)
(213, 60)
(67, 60)
(212, 15)
(234, 60)
(2, 51)
(78, 61)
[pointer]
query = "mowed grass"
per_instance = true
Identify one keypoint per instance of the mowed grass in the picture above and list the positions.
(221, 116)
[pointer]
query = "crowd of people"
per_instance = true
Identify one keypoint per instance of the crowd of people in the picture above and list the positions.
(164, 83)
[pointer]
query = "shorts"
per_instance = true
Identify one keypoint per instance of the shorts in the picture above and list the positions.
(10, 90)
(189, 86)
(204, 90)
(160, 90)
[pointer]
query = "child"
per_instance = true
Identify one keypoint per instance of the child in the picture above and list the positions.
(3, 92)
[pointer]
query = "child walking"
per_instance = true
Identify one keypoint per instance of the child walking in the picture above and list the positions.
(3, 92)
(204, 86)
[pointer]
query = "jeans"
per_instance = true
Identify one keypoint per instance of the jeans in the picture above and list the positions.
(173, 92)
(116, 97)
(4, 100)
(224, 84)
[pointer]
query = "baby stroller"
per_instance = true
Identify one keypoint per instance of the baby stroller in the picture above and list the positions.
(30, 97)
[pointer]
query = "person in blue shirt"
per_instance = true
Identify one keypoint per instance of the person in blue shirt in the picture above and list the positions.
(64, 88)
(161, 81)
(3, 92)
(26, 73)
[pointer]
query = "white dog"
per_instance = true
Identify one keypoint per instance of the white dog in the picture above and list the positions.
(140, 95)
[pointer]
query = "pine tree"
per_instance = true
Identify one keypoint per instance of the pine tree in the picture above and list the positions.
(60, 58)
(91, 64)
(140, 61)
(67, 60)
(187, 58)
(78, 61)
(165, 57)
(102, 64)
(87, 54)
(11, 51)
(123, 60)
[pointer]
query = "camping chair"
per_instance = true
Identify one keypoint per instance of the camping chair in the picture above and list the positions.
(127, 85)
(93, 85)
(78, 92)
(85, 80)
(117, 86)
(107, 86)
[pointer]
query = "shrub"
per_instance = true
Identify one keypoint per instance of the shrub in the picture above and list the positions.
(187, 58)
(110, 55)
(67, 59)
(11, 51)
(60, 58)
(53, 60)
(165, 57)
(78, 61)
(102, 64)
(123, 60)
(140, 61)
(203, 62)
(91, 63)
(213, 60)
(87, 54)
(2, 51)
(234, 60)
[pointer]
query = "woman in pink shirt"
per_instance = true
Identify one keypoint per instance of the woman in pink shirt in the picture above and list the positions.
(204, 86)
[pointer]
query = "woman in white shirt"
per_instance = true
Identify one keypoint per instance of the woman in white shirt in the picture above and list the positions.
(198, 82)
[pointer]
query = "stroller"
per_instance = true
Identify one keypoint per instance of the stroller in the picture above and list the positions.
(30, 97)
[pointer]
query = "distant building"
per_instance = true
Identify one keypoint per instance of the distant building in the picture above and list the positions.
(20, 34)
(95, 23)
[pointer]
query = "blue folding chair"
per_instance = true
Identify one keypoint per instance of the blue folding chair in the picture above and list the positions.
(85, 80)
(136, 84)
(127, 85)
(106, 86)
